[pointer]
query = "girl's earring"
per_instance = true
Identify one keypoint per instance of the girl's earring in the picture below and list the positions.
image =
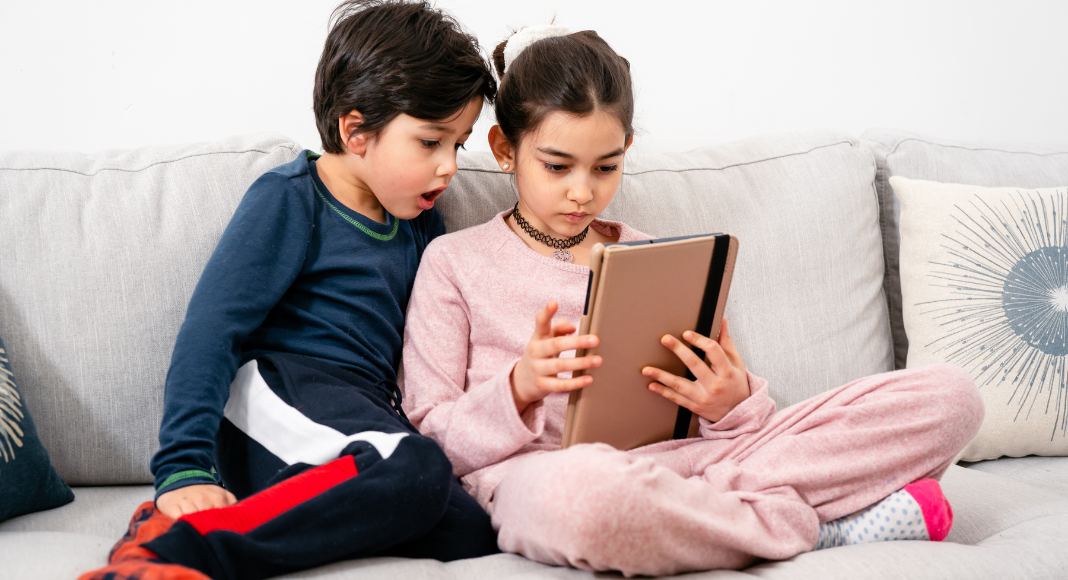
(504, 167)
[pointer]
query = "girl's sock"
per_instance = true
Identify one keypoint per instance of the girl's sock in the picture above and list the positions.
(917, 512)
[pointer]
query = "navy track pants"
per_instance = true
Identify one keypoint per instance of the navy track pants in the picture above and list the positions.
(325, 469)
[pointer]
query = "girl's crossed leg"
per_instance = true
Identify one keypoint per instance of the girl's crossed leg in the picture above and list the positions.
(759, 493)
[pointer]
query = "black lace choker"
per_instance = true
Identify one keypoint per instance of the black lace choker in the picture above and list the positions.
(561, 246)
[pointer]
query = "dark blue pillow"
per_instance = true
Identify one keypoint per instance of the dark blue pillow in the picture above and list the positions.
(28, 483)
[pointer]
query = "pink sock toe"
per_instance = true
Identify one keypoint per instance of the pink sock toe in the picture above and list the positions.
(937, 513)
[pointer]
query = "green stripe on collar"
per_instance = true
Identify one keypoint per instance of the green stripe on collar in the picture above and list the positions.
(361, 227)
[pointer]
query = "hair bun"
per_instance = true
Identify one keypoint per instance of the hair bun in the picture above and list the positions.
(577, 75)
(518, 42)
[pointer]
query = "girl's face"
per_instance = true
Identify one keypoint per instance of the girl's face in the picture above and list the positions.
(567, 170)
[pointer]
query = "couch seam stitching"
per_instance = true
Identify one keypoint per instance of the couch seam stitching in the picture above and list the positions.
(847, 142)
(901, 142)
(149, 166)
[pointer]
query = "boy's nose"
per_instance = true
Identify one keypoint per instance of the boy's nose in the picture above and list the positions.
(447, 167)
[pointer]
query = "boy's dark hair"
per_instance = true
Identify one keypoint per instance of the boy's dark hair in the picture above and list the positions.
(577, 73)
(387, 57)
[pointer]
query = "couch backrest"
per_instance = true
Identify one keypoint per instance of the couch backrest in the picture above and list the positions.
(806, 307)
(99, 255)
(968, 162)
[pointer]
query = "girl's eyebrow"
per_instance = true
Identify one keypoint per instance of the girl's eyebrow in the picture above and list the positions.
(555, 153)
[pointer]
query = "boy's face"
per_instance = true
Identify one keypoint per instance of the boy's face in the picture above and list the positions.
(411, 161)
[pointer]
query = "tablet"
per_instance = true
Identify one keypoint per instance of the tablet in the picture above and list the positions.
(638, 292)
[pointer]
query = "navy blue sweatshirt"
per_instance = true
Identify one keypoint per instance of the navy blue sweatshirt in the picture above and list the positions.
(297, 272)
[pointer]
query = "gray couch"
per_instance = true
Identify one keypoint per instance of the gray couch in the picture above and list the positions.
(99, 254)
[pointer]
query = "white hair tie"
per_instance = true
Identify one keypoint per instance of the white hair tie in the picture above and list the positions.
(529, 36)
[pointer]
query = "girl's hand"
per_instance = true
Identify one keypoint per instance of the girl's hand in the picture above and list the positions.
(534, 376)
(194, 498)
(718, 388)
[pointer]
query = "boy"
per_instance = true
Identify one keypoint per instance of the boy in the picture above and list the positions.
(284, 371)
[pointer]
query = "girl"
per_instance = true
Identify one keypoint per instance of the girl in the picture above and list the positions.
(488, 374)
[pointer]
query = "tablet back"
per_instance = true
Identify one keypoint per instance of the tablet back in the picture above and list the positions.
(637, 294)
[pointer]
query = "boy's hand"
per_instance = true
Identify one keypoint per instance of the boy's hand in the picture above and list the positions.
(194, 498)
(718, 388)
(534, 376)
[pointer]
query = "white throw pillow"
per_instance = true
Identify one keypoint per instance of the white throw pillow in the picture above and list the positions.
(984, 284)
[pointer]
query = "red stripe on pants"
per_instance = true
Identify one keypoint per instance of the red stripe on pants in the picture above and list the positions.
(266, 505)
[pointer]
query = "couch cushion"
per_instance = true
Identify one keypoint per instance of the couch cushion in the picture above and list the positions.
(1002, 529)
(806, 305)
(101, 253)
(984, 285)
(28, 483)
(970, 162)
(1001, 525)
(51, 555)
(986, 505)
(96, 511)
(1035, 550)
(1045, 473)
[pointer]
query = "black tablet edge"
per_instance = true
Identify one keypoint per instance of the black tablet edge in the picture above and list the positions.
(704, 319)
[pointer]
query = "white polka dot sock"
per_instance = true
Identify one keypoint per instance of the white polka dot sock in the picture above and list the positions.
(898, 517)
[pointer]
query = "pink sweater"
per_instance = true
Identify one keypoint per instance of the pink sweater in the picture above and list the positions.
(755, 485)
(470, 317)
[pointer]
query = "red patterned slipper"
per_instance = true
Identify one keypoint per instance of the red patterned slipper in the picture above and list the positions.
(129, 560)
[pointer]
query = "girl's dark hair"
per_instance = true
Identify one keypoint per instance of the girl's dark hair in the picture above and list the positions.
(387, 57)
(576, 74)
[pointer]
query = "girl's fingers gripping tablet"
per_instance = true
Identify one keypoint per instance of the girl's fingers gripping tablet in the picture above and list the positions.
(555, 346)
(562, 385)
(675, 383)
(563, 328)
(716, 358)
(555, 366)
(697, 366)
(727, 343)
(672, 388)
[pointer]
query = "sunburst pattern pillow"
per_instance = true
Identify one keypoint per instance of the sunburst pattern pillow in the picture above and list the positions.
(28, 483)
(984, 285)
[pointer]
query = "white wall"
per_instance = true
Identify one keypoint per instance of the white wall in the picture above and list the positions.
(125, 73)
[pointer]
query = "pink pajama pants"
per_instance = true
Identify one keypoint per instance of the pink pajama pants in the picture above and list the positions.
(755, 490)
